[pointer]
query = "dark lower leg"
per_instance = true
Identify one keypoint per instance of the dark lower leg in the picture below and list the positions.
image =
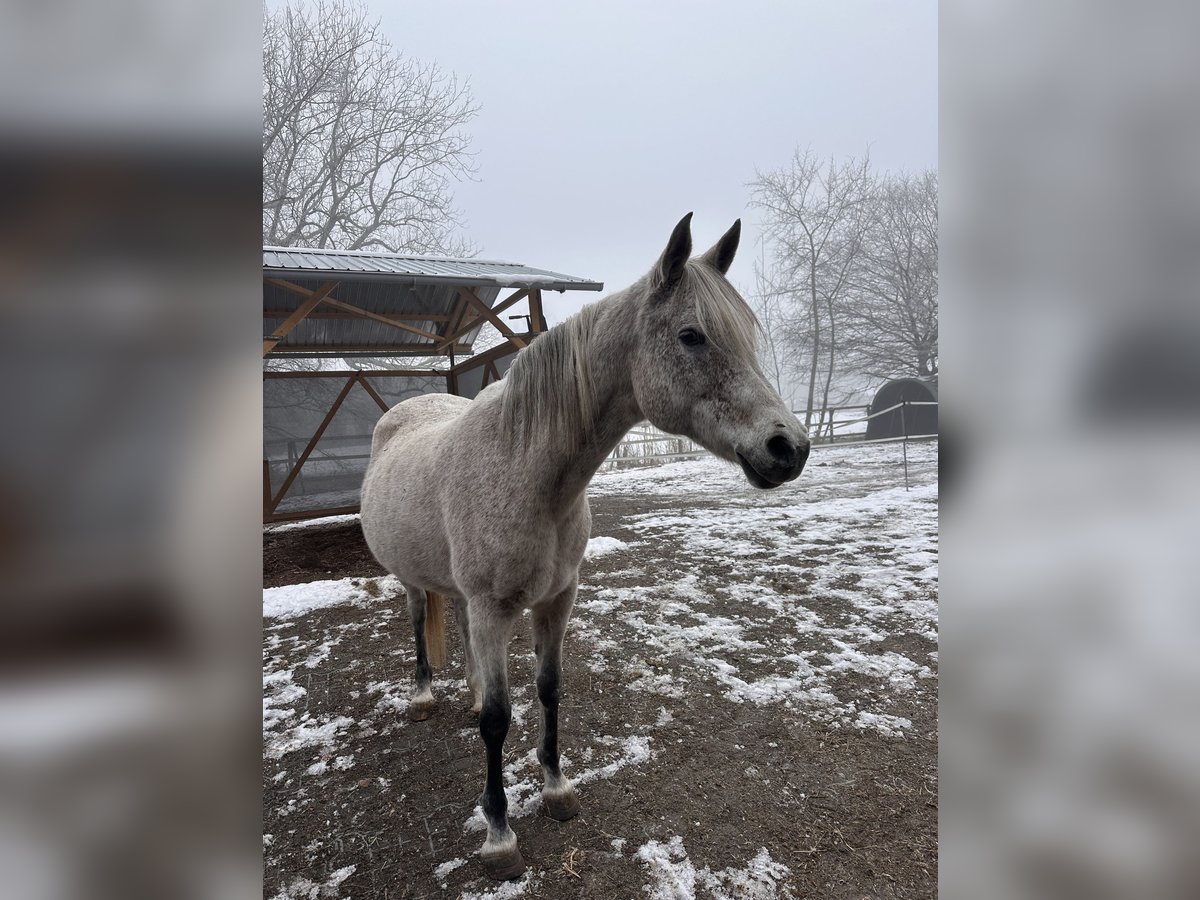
(558, 795)
(493, 728)
(548, 690)
(421, 704)
(489, 640)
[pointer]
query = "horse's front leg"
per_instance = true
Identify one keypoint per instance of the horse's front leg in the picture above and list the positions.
(490, 630)
(549, 627)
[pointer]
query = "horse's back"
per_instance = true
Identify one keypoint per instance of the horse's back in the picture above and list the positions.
(409, 419)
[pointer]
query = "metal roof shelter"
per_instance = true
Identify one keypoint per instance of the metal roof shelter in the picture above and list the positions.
(337, 303)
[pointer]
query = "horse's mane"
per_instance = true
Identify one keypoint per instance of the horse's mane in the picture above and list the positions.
(549, 387)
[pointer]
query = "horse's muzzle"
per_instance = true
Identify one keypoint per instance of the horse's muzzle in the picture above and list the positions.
(781, 459)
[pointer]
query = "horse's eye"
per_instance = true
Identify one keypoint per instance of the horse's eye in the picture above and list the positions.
(690, 337)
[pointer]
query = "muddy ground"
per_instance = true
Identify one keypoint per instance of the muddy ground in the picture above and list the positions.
(745, 672)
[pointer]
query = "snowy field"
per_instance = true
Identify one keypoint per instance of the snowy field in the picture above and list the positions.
(749, 703)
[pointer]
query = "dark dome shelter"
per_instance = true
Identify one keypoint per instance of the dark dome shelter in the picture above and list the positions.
(916, 420)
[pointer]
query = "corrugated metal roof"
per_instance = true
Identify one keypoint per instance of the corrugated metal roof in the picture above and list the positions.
(402, 288)
(281, 261)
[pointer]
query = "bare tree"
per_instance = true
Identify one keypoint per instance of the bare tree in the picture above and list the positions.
(895, 320)
(814, 219)
(360, 143)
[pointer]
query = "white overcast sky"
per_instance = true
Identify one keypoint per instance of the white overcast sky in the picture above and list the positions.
(601, 124)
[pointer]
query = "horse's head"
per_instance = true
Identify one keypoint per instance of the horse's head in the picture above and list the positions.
(696, 369)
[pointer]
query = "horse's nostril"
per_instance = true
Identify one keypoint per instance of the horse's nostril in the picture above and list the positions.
(804, 448)
(782, 449)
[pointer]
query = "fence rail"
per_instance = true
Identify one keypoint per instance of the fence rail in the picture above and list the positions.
(645, 444)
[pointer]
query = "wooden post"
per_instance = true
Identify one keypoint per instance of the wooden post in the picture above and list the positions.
(266, 489)
(537, 321)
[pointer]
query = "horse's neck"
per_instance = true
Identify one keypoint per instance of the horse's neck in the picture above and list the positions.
(609, 361)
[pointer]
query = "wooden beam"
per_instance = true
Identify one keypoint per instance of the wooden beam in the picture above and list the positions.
(378, 317)
(334, 314)
(362, 379)
(354, 310)
(374, 349)
(314, 298)
(492, 353)
(312, 443)
(482, 309)
(373, 373)
(456, 316)
(463, 328)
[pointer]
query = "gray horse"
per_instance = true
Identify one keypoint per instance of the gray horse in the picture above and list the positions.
(485, 501)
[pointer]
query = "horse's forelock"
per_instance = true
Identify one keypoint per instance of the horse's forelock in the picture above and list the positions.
(725, 317)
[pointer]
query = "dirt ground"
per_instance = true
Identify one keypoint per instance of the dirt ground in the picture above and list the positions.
(740, 676)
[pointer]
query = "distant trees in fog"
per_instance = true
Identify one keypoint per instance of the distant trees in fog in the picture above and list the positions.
(847, 285)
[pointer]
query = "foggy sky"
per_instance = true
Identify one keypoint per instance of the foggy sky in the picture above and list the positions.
(601, 125)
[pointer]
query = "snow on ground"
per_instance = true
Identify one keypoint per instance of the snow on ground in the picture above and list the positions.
(602, 546)
(841, 561)
(305, 889)
(817, 600)
(294, 600)
(675, 877)
(313, 523)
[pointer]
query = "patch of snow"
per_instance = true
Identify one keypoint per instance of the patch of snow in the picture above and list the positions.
(313, 523)
(279, 694)
(306, 889)
(506, 891)
(294, 600)
(441, 871)
(601, 546)
(889, 726)
(675, 877)
(321, 733)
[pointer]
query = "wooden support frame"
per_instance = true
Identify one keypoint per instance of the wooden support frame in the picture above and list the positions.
(321, 313)
(311, 303)
(465, 326)
(491, 315)
(366, 373)
(354, 310)
(272, 499)
(370, 350)
(362, 379)
(312, 443)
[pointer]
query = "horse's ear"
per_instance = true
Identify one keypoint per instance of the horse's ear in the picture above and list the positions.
(669, 268)
(720, 255)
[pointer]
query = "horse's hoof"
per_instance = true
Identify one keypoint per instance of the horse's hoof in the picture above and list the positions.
(504, 866)
(419, 712)
(562, 806)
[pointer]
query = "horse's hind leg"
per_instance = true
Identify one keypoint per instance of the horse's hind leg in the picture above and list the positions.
(421, 705)
(549, 627)
(464, 630)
